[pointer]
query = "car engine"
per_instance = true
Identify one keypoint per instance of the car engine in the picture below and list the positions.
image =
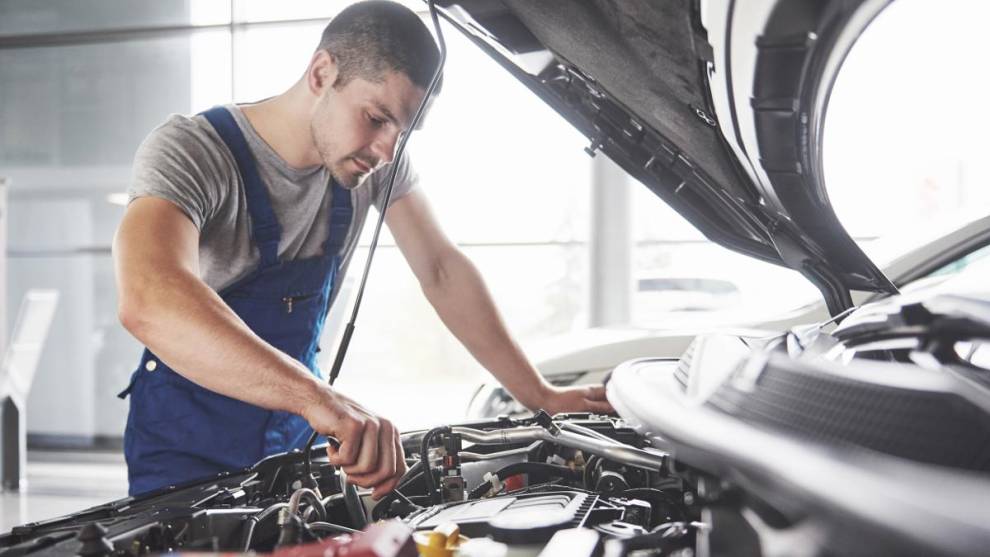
(522, 484)
(871, 439)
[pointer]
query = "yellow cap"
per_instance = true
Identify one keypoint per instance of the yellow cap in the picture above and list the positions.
(441, 542)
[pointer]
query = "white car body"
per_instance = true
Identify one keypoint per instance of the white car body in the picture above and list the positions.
(586, 356)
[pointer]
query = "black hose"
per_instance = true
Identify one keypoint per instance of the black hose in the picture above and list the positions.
(590, 467)
(306, 516)
(399, 495)
(424, 458)
(314, 502)
(378, 513)
(411, 476)
(353, 504)
(527, 468)
(256, 518)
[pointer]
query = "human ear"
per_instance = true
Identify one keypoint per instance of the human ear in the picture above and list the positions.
(322, 72)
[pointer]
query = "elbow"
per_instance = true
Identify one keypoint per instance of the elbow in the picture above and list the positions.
(135, 313)
(453, 279)
(132, 316)
(439, 276)
(434, 282)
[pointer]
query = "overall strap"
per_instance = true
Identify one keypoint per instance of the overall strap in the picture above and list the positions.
(340, 220)
(264, 225)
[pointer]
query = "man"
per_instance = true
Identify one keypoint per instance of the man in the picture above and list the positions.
(241, 223)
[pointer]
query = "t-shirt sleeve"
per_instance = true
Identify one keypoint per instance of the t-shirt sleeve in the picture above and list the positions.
(406, 180)
(180, 162)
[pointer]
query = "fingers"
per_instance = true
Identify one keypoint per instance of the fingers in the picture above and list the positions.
(400, 469)
(595, 392)
(370, 451)
(595, 401)
(351, 435)
(384, 464)
(390, 466)
(387, 466)
(583, 398)
(368, 457)
(599, 406)
(400, 457)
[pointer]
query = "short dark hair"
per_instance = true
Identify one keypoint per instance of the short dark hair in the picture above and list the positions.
(367, 39)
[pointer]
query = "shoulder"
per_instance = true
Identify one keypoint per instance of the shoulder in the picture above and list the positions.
(184, 161)
(185, 139)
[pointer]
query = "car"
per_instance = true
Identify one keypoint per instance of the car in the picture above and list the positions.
(872, 438)
(665, 293)
(586, 356)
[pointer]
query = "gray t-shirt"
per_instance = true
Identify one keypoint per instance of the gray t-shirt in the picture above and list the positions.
(185, 161)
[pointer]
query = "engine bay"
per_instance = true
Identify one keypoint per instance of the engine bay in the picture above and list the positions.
(871, 439)
(517, 483)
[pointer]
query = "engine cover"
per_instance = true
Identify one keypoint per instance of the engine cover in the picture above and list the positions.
(535, 517)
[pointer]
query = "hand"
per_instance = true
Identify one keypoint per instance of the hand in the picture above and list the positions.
(370, 452)
(581, 398)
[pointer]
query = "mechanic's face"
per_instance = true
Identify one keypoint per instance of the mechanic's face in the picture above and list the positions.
(356, 127)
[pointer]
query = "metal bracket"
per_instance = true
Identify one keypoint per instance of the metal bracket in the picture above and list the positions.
(704, 116)
(596, 145)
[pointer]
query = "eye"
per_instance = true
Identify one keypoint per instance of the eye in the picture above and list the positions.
(375, 121)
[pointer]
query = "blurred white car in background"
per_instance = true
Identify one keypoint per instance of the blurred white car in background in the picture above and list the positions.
(586, 356)
(660, 293)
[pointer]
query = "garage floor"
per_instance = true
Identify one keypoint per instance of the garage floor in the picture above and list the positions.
(63, 482)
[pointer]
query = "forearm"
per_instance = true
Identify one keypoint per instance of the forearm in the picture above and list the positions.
(464, 304)
(186, 324)
(191, 328)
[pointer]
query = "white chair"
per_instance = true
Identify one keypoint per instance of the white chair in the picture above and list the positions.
(20, 362)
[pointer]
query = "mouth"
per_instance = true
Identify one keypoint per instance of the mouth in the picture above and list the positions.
(361, 165)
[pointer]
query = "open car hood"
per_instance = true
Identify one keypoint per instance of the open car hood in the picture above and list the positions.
(719, 111)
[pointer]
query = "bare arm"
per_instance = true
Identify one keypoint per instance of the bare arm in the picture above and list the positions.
(456, 290)
(164, 303)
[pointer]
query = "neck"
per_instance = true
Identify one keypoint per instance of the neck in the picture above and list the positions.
(283, 122)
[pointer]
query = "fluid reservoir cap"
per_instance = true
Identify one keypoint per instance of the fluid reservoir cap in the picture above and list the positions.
(443, 541)
(529, 526)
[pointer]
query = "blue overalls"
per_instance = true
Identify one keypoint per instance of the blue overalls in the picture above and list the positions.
(178, 431)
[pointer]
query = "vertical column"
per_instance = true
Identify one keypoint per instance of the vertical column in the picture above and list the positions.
(3, 264)
(610, 245)
(11, 450)
(66, 377)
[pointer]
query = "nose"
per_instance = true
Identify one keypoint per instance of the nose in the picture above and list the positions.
(383, 146)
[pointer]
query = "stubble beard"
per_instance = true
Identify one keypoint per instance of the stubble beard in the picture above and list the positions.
(348, 180)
